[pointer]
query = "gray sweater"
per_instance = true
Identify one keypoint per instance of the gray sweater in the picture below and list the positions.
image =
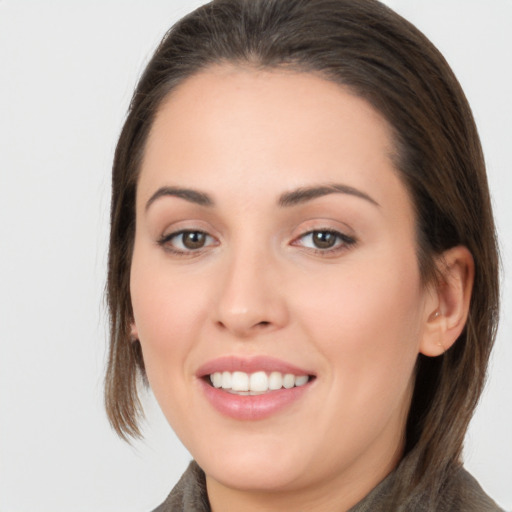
(461, 494)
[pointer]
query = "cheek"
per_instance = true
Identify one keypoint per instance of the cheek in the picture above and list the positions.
(166, 312)
(368, 322)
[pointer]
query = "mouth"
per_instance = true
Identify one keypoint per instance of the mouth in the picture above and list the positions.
(253, 388)
(256, 383)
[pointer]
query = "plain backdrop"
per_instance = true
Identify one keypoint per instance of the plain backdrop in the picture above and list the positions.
(67, 70)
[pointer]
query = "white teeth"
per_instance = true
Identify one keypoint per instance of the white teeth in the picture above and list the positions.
(255, 383)
(301, 380)
(275, 380)
(216, 379)
(239, 381)
(258, 381)
(226, 380)
(289, 381)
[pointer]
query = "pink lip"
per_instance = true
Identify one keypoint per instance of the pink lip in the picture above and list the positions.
(250, 407)
(255, 407)
(249, 365)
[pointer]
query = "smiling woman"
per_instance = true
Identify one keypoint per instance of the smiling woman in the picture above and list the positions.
(302, 260)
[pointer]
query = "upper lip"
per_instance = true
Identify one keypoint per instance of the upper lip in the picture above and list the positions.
(249, 365)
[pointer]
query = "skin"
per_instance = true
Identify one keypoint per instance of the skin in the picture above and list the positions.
(355, 317)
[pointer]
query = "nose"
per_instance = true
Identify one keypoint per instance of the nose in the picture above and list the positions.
(251, 297)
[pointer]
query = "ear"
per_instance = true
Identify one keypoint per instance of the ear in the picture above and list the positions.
(449, 308)
(134, 332)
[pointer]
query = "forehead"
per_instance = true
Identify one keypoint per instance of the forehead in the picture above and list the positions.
(222, 94)
(268, 128)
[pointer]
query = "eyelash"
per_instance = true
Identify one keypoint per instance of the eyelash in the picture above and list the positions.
(342, 242)
(165, 242)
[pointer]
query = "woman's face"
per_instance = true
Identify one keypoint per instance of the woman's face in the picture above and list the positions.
(275, 247)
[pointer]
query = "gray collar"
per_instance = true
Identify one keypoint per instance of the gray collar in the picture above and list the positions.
(460, 493)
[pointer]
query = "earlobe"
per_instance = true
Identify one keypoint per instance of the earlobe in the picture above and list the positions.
(446, 320)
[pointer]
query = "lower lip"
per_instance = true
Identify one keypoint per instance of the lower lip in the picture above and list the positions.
(252, 407)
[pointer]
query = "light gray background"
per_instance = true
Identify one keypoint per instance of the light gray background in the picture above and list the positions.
(67, 70)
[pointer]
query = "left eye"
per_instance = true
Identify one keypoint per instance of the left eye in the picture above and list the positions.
(187, 240)
(325, 240)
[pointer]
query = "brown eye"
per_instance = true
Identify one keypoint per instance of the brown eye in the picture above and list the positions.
(186, 241)
(324, 239)
(193, 239)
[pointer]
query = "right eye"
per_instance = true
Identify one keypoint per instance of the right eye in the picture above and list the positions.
(186, 241)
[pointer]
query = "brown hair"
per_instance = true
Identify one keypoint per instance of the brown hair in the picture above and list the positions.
(382, 58)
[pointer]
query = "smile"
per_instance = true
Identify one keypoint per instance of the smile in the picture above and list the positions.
(259, 382)
(253, 388)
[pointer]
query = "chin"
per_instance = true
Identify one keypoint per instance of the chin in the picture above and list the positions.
(257, 477)
(256, 467)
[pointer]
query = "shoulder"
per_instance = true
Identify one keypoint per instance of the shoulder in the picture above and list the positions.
(458, 492)
(189, 494)
(464, 494)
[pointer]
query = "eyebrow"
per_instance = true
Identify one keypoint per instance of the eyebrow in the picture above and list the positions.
(192, 196)
(304, 194)
(292, 198)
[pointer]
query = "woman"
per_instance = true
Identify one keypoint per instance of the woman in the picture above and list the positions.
(302, 262)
